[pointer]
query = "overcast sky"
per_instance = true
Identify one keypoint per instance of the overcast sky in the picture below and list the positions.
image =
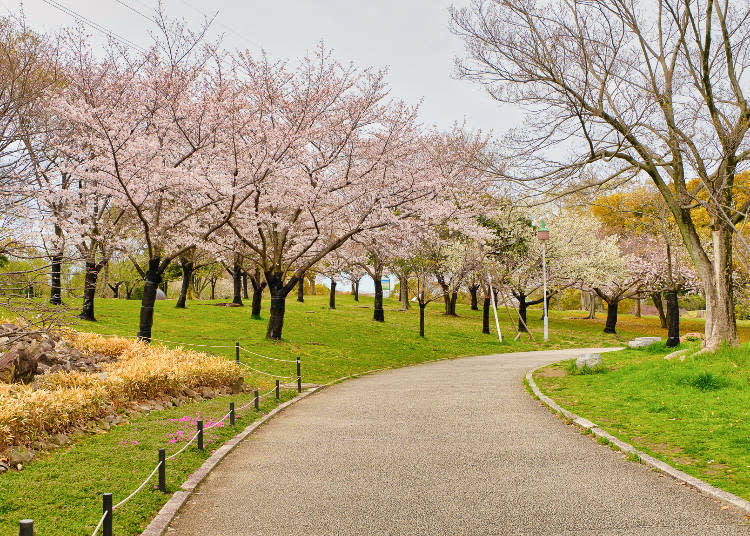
(409, 37)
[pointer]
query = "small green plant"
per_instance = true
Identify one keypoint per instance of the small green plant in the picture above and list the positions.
(602, 440)
(572, 369)
(633, 457)
(705, 381)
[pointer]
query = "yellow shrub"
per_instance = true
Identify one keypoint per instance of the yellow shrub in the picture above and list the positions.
(63, 400)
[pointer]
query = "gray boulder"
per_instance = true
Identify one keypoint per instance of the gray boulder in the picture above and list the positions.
(642, 342)
(588, 360)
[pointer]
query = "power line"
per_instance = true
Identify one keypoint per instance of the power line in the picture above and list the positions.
(134, 10)
(88, 22)
(229, 29)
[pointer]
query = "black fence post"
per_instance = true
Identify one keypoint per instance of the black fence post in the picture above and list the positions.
(231, 414)
(299, 375)
(277, 389)
(26, 527)
(200, 435)
(237, 352)
(257, 400)
(162, 470)
(107, 511)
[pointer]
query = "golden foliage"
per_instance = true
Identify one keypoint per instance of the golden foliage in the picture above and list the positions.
(59, 401)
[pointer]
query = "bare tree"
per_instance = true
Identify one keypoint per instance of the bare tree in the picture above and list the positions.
(619, 89)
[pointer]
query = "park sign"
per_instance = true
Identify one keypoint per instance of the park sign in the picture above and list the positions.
(386, 284)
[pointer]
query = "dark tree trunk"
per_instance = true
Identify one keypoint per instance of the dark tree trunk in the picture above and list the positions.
(237, 284)
(55, 296)
(258, 287)
(115, 289)
(164, 286)
(355, 290)
(486, 315)
(129, 290)
(213, 288)
(637, 313)
(522, 304)
(151, 284)
(659, 304)
(244, 285)
(473, 289)
(332, 296)
(301, 289)
(421, 319)
(89, 291)
(279, 292)
(452, 304)
(609, 326)
(673, 319)
(378, 313)
(187, 273)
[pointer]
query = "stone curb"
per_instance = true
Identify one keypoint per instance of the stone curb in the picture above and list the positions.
(693, 482)
(164, 517)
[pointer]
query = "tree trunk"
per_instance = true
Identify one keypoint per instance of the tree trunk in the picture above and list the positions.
(592, 306)
(244, 285)
(332, 297)
(473, 289)
(115, 289)
(486, 315)
(673, 319)
(187, 273)
(301, 290)
(522, 313)
(637, 307)
(452, 304)
(89, 292)
(355, 287)
(403, 292)
(55, 296)
(151, 284)
(659, 304)
(609, 326)
(378, 313)
(311, 281)
(237, 284)
(279, 292)
(213, 288)
(421, 319)
(129, 290)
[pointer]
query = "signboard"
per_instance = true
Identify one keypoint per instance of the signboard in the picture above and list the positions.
(386, 284)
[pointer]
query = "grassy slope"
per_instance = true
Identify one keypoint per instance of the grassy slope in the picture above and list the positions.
(62, 489)
(691, 414)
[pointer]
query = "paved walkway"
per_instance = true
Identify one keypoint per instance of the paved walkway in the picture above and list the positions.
(451, 447)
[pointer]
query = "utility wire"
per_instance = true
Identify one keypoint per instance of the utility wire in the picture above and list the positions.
(229, 29)
(88, 22)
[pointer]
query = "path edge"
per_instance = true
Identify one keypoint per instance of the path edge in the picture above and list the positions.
(167, 513)
(689, 480)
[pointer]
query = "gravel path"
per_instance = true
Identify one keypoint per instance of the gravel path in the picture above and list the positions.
(450, 447)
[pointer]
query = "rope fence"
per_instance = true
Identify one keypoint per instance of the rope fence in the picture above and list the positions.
(26, 526)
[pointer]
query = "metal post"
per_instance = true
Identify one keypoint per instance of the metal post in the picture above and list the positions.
(256, 399)
(237, 352)
(162, 470)
(231, 414)
(200, 435)
(299, 375)
(494, 308)
(107, 509)
(26, 527)
(544, 297)
(277, 389)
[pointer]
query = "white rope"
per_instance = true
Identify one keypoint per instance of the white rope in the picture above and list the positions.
(217, 423)
(101, 522)
(126, 499)
(266, 357)
(192, 344)
(266, 373)
(246, 405)
(173, 456)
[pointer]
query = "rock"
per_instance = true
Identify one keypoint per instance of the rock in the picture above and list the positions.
(677, 353)
(236, 387)
(17, 365)
(588, 360)
(642, 342)
(19, 467)
(191, 394)
(60, 439)
(3, 468)
(17, 456)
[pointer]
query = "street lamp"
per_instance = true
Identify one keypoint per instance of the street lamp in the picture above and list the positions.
(543, 235)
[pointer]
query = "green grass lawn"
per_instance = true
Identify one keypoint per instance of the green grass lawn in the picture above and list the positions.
(693, 415)
(62, 490)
